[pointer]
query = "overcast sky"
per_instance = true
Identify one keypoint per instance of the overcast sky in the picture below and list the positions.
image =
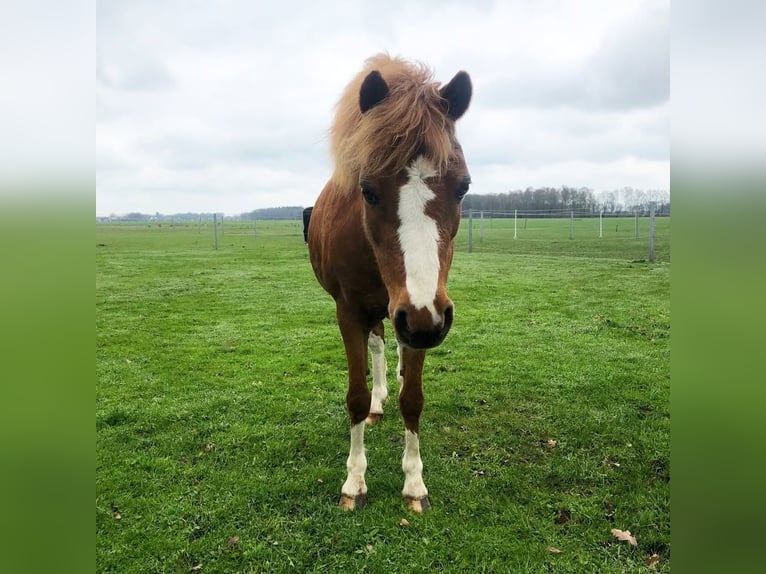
(224, 106)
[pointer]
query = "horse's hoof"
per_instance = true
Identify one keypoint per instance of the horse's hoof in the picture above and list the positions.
(373, 418)
(352, 502)
(418, 505)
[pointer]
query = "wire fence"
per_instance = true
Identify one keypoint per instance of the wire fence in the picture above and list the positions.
(548, 233)
(566, 232)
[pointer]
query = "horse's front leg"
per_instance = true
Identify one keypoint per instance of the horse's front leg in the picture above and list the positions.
(411, 405)
(354, 490)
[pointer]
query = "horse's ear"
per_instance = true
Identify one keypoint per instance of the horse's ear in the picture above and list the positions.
(457, 94)
(374, 89)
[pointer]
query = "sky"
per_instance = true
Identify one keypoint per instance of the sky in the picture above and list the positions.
(225, 106)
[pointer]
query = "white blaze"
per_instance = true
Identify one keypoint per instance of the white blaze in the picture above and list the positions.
(419, 237)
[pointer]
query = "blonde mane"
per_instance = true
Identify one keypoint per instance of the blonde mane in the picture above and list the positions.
(410, 120)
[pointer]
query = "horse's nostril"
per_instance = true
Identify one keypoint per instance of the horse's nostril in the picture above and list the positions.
(448, 316)
(400, 321)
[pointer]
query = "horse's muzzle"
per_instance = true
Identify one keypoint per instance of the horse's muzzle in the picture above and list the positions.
(422, 338)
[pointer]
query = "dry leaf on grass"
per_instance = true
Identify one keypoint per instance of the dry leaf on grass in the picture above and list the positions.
(404, 522)
(652, 561)
(552, 442)
(625, 536)
(233, 541)
(553, 550)
(197, 568)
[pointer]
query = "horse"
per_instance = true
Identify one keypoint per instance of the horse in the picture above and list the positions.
(381, 241)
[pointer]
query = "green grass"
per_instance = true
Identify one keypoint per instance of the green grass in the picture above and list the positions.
(220, 386)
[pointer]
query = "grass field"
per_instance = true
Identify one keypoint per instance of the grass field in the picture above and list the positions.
(221, 432)
(551, 237)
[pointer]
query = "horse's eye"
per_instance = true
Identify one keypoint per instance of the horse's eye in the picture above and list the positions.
(368, 194)
(463, 188)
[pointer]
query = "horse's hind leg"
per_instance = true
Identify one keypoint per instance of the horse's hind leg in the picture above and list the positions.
(376, 343)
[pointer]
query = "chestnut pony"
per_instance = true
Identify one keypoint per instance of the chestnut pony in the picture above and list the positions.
(381, 239)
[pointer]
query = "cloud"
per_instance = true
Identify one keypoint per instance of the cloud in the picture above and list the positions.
(628, 68)
(199, 108)
(535, 137)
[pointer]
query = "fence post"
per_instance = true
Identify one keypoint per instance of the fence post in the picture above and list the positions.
(651, 232)
(481, 226)
(470, 231)
(215, 230)
(601, 223)
(636, 212)
(571, 224)
(515, 211)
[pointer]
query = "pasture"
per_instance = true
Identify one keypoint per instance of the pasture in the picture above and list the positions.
(222, 434)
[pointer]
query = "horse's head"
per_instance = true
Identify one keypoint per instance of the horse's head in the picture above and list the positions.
(412, 208)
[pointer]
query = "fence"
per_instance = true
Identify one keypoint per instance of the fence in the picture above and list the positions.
(578, 234)
(566, 232)
(262, 227)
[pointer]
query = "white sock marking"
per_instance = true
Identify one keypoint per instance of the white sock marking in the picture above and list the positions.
(379, 385)
(356, 464)
(419, 237)
(414, 487)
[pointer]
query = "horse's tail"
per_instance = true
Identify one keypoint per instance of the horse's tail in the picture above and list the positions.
(306, 218)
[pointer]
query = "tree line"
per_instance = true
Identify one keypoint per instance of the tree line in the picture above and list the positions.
(287, 212)
(555, 201)
(531, 202)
